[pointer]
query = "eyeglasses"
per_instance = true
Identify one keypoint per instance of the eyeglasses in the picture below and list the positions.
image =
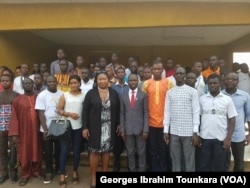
(98, 72)
(232, 79)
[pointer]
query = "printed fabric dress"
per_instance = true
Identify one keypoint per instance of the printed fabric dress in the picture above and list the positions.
(106, 128)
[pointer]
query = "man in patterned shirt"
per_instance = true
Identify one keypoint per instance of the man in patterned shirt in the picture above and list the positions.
(156, 89)
(181, 122)
(6, 97)
(63, 77)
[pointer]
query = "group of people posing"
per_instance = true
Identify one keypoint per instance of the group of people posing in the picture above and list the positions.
(165, 118)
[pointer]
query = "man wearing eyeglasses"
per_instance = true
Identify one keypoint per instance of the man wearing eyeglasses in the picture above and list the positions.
(239, 139)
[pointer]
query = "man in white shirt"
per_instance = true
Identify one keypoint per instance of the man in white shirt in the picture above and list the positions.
(217, 125)
(17, 86)
(200, 83)
(46, 105)
(86, 82)
(181, 121)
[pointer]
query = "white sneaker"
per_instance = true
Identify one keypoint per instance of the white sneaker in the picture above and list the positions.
(48, 178)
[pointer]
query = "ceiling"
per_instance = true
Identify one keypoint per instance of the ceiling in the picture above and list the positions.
(110, 1)
(166, 36)
(209, 35)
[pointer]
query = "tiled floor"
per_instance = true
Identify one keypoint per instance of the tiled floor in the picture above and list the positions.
(84, 175)
(36, 183)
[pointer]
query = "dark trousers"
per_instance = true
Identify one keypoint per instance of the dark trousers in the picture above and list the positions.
(212, 156)
(238, 150)
(3, 153)
(51, 153)
(228, 160)
(158, 150)
(77, 145)
(197, 159)
(117, 151)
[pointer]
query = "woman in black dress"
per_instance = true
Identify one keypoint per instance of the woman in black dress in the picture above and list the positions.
(100, 117)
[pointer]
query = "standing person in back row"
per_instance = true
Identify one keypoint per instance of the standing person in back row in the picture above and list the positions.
(17, 86)
(63, 77)
(156, 89)
(134, 131)
(213, 68)
(217, 125)
(120, 87)
(55, 67)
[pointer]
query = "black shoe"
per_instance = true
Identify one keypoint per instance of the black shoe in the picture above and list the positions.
(116, 169)
(48, 178)
(14, 179)
(58, 174)
(3, 179)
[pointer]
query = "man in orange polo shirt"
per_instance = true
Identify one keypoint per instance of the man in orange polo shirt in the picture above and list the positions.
(213, 67)
(156, 89)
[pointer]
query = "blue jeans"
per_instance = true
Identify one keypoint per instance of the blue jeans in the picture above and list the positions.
(77, 145)
(64, 144)
(212, 155)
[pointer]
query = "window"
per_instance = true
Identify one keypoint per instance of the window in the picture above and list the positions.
(242, 57)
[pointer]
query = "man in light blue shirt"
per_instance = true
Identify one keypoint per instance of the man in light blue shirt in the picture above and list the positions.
(239, 139)
(55, 67)
(120, 87)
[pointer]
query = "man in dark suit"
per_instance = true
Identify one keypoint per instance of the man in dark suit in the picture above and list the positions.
(134, 131)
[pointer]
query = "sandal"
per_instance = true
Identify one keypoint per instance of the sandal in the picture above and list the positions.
(75, 180)
(62, 184)
(23, 181)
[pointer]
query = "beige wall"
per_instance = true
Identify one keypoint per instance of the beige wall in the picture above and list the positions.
(121, 15)
(22, 47)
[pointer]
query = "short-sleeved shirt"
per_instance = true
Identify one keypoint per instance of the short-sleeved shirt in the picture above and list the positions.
(55, 67)
(241, 101)
(62, 82)
(156, 91)
(85, 87)
(48, 102)
(208, 71)
(215, 112)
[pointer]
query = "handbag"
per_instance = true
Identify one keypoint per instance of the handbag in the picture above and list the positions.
(59, 129)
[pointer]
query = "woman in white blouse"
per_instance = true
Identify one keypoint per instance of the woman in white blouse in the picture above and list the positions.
(70, 106)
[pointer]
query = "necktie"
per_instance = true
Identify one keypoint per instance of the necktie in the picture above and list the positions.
(132, 99)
